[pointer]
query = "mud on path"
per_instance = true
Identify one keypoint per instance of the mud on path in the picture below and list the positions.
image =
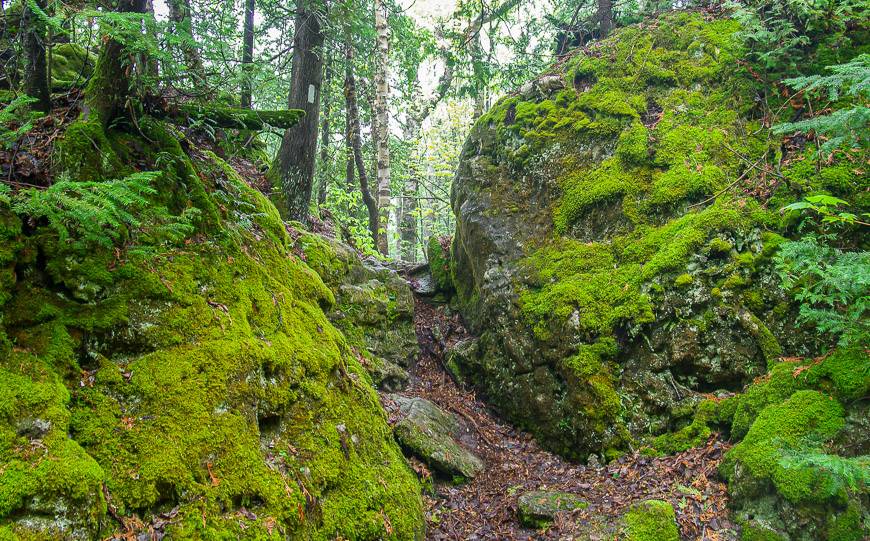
(485, 508)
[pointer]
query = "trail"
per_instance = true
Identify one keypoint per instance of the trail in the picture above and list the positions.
(485, 508)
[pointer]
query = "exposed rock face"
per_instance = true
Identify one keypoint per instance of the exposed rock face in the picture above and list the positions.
(604, 255)
(198, 386)
(374, 308)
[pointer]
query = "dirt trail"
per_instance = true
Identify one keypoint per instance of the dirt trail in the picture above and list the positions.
(485, 508)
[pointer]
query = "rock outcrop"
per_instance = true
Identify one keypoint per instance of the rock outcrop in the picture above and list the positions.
(191, 385)
(618, 273)
(605, 252)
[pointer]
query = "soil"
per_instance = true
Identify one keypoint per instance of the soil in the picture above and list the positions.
(485, 507)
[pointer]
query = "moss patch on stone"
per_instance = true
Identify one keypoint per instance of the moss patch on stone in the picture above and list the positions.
(204, 376)
(650, 520)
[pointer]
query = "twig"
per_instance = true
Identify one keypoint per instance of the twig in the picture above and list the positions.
(726, 188)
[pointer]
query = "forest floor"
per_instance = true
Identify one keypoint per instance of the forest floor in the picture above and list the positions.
(485, 507)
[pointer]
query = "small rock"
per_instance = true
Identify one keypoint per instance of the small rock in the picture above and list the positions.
(538, 508)
(429, 433)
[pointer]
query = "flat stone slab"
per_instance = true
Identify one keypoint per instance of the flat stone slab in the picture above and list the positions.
(538, 508)
(429, 433)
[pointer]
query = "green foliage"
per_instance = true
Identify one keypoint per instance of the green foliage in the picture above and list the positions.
(12, 126)
(848, 125)
(779, 35)
(831, 285)
(89, 214)
(826, 207)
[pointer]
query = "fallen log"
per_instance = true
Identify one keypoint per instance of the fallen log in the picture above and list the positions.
(239, 119)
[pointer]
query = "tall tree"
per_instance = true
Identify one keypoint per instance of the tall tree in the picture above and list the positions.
(325, 169)
(605, 17)
(181, 16)
(35, 67)
(109, 87)
(382, 137)
(247, 53)
(355, 142)
(292, 172)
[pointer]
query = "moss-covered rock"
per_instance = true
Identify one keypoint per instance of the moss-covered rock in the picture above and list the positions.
(650, 520)
(200, 381)
(71, 65)
(438, 255)
(430, 434)
(611, 269)
(374, 307)
(539, 508)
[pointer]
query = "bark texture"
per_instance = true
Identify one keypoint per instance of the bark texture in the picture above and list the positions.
(382, 140)
(605, 17)
(355, 143)
(35, 66)
(247, 53)
(292, 172)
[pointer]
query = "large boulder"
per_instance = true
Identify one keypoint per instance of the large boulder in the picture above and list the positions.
(608, 256)
(194, 388)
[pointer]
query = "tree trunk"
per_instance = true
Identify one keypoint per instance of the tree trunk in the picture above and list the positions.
(382, 141)
(356, 143)
(109, 87)
(180, 15)
(605, 17)
(324, 136)
(292, 172)
(35, 67)
(247, 54)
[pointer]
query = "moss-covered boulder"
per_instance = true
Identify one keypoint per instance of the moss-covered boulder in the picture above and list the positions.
(801, 470)
(607, 255)
(71, 66)
(192, 384)
(374, 307)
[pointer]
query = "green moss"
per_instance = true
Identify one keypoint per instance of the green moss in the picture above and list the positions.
(753, 532)
(71, 65)
(805, 415)
(205, 377)
(439, 264)
(87, 153)
(683, 280)
(842, 374)
(693, 435)
(651, 520)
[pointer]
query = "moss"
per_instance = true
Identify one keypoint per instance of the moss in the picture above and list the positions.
(439, 264)
(806, 414)
(651, 520)
(205, 377)
(842, 374)
(753, 532)
(71, 65)
(693, 435)
(683, 280)
(87, 153)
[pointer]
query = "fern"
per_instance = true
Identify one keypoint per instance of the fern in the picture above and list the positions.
(88, 213)
(832, 287)
(833, 475)
(850, 125)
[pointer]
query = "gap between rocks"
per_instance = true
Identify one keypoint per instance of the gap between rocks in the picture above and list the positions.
(486, 507)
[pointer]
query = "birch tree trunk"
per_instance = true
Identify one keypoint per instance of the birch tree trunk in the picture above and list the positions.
(292, 172)
(382, 140)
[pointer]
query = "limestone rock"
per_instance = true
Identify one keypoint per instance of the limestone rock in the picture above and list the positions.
(429, 433)
(538, 508)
